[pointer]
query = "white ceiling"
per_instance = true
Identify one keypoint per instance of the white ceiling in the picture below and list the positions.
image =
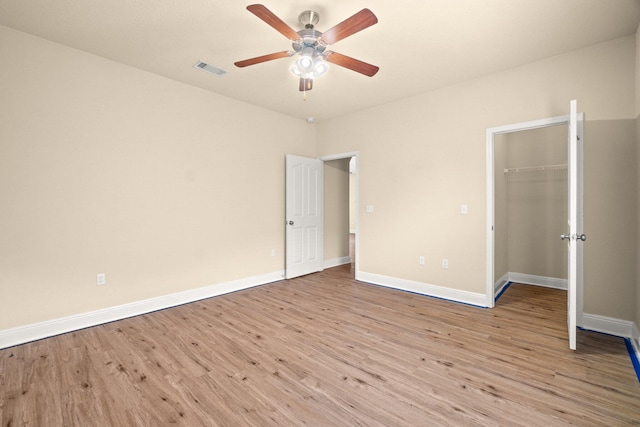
(419, 45)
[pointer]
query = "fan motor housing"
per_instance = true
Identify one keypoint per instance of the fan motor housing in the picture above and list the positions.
(308, 38)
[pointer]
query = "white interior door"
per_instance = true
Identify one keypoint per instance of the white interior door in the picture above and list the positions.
(304, 216)
(575, 236)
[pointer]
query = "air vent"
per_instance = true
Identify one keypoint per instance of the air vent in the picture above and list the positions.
(210, 69)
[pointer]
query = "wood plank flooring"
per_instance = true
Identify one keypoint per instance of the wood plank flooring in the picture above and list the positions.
(325, 350)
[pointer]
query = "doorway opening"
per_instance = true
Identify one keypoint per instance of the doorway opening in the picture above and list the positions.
(498, 270)
(341, 210)
(530, 207)
(353, 212)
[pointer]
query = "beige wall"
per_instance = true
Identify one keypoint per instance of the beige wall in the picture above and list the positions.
(105, 168)
(108, 169)
(420, 158)
(336, 209)
(610, 212)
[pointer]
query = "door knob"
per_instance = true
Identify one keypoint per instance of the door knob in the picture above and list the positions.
(290, 222)
(578, 237)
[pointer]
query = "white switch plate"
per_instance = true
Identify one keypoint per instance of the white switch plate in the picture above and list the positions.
(445, 263)
(101, 279)
(421, 260)
(369, 208)
(464, 209)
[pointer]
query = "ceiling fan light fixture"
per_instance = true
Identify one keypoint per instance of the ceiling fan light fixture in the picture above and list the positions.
(296, 71)
(305, 64)
(306, 61)
(320, 67)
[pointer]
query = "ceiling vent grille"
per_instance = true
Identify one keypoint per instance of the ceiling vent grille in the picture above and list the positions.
(207, 68)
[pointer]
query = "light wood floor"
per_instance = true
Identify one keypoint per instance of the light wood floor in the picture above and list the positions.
(324, 350)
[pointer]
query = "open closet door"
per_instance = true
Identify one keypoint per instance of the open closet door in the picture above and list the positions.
(575, 236)
(304, 216)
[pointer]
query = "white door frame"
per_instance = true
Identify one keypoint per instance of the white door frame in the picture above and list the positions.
(349, 155)
(490, 202)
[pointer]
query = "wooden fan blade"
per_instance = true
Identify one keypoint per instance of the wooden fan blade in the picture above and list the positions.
(358, 22)
(305, 84)
(263, 58)
(270, 18)
(352, 64)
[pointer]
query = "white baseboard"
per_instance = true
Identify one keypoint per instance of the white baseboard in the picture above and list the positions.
(621, 328)
(592, 322)
(610, 325)
(500, 284)
(328, 263)
(527, 279)
(531, 279)
(456, 295)
(36, 331)
(635, 342)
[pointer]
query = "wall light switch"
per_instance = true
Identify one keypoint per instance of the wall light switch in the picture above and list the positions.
(464, 209)
(369, 208)
(101, 279)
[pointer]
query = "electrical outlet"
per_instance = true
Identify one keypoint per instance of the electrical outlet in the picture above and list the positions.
(273, 252)
(101, 279)
(445, 263)
(421, 260)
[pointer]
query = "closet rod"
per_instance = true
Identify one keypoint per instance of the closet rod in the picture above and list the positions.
(536, 168)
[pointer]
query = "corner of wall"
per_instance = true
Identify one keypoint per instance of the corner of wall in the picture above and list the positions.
(637, 104)
(637, 92)
(637, 246)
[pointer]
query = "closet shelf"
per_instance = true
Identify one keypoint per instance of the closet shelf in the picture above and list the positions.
(536, 168)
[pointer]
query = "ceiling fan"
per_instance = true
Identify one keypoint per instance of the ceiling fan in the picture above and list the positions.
(311, 44)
